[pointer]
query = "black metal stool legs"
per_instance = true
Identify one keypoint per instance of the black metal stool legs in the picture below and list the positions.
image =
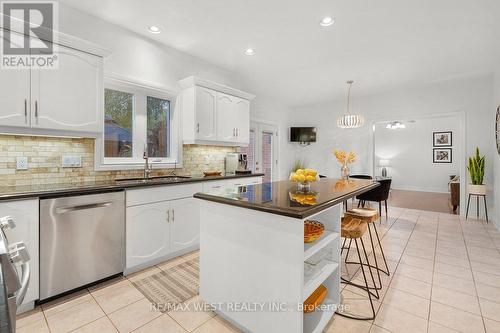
(366, 288)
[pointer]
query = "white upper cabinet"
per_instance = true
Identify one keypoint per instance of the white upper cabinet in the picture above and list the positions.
(68, 98)
(205, 114)
(214, 113)
(15, 97)
(226, 117)
(242, 121)
(64, 100)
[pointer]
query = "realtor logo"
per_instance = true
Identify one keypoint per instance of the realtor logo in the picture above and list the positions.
(28, 38)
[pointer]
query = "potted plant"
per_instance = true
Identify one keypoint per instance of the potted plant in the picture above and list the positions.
(476, 171)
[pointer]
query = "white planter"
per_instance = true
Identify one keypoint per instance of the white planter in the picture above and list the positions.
(477, 189)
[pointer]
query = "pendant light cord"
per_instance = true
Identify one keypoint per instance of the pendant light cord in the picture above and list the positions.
(350, 82)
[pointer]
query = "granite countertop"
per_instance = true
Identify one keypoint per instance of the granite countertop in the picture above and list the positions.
(62, 189)
(283, 198)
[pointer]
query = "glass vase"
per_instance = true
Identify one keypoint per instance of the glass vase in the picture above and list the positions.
(345, 172)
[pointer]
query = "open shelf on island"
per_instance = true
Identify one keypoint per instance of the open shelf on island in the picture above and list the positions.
(319, 273)
(311, 249)
(315, 322)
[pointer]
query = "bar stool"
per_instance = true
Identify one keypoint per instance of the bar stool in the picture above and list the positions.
(354, 229)
(370, 216)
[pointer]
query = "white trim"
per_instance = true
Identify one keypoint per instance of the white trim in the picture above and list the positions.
(139, 128)
(192, 81)
(260, 126)
(420, 189)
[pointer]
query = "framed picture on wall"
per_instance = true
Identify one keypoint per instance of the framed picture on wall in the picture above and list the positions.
(442, 155)
(443, 139)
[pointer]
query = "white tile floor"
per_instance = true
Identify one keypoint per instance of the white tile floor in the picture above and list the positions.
(445, 278)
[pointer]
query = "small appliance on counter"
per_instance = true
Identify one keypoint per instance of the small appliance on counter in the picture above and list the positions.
(237, 164)
(242, 168)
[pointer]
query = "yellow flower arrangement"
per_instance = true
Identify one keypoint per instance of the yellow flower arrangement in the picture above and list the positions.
(344, 157)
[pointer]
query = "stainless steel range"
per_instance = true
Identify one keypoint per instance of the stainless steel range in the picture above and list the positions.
(82, 240)
(12, 255)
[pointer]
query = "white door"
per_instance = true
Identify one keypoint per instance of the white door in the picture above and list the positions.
(15, 96)
(242, 121)
(70, 97)
(185, 223)
(25, 216)
(226, 117)
(147, 233)
(262, 150)
(205, 114)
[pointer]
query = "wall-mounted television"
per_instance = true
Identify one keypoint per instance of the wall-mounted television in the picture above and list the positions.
(303, 134)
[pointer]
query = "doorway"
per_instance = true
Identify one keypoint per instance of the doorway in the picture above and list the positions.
(409, 155)
(262, 151)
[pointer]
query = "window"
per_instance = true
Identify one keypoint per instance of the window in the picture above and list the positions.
(137, 118)
(158, 127)
(118, 115)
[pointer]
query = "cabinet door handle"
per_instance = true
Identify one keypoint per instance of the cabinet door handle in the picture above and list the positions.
(237, 132)
(168, 216)
(173, 215)
(198, 128)
(36, 109)
(25, 110)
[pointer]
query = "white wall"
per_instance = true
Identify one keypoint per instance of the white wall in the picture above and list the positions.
(471, 96)
(145, 60)
(410, 152)
(496, 156)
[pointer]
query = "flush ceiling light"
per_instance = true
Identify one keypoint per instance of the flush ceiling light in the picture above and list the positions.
(250, 52)
(326, 21)
(349, 120)
(395, 125)
(154, 29)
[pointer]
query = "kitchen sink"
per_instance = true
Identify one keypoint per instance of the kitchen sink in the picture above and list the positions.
(157, 179)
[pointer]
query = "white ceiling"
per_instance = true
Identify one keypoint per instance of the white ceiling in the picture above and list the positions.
(379, 44)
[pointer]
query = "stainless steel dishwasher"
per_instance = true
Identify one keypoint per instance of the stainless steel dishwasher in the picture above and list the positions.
(82, 240)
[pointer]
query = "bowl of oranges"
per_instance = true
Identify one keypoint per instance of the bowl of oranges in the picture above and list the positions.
(304, 177)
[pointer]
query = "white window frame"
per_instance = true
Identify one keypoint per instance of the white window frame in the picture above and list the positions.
(140, 93)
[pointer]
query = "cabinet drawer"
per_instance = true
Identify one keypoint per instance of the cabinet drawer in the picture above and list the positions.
(214, 185)
(161, 193)
(245, 181)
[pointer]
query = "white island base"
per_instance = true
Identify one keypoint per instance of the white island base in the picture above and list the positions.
(253, 271)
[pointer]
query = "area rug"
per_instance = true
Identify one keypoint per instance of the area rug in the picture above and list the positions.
(173, 286)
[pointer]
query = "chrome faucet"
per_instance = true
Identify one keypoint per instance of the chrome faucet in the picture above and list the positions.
(148, 168)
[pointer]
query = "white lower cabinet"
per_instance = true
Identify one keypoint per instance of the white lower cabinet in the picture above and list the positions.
(185, 225)
(164, 221)
(25, 216)
(156, 230)
(147, 233)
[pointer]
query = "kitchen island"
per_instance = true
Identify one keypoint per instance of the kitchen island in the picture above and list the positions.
(255, 269)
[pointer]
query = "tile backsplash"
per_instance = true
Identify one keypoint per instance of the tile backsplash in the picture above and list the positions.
(45, 161)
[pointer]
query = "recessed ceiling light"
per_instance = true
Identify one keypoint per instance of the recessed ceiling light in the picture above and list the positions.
(154, 29)
(250, 52)
(326, 21)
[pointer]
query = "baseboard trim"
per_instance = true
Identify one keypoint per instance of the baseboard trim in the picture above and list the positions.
(421, 189)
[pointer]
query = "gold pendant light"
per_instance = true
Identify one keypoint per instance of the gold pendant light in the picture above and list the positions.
(349, 120)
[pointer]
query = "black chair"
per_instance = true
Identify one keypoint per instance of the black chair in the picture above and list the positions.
(378, 194)
(361, 177)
